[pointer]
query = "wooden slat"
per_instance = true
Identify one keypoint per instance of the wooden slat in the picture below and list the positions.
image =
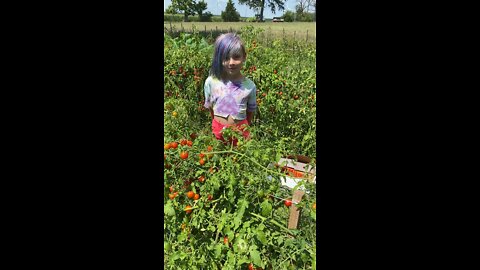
(294, 212)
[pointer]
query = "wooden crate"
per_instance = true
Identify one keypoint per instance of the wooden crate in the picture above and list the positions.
(298, 163)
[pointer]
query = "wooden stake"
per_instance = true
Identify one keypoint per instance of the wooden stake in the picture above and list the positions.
(294, 212)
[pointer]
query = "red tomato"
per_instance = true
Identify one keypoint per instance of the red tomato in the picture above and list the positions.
(196, 197)
(250, 266)
(189, 143)
(172, 188)
(183, 142)
(202, 161)
(288, 203)
(201, 179)
(174, 145)
(190, 194)
(225, 240)
(209, 148)
(166, 146)
(201, 155)
(210, 197)
(188, 209)
(171, 196)
(184, 155)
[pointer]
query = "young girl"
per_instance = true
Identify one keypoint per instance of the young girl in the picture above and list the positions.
(229, 95)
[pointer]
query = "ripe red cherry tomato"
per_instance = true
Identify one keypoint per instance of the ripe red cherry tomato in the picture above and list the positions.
(184, 155)
(288, 203)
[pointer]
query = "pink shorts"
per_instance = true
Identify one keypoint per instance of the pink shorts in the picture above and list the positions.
(217, 129)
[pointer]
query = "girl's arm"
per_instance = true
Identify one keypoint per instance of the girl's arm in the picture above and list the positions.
(250, 117)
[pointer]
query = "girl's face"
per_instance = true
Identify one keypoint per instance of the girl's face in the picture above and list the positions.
(233, 65)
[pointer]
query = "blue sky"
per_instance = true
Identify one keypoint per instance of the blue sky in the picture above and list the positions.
(244, 10)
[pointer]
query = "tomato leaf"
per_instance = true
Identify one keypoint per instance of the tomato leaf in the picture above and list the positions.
(218, 250)
(261, 237)
(168, 209)
(266, 208)
(255, 256)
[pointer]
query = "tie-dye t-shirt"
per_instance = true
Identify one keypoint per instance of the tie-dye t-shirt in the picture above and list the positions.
(233, 98)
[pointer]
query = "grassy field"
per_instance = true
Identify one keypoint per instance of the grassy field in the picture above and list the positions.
(290, 29)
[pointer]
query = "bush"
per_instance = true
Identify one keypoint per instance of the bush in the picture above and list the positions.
(206, 17)
(217, 19)
(289, 16)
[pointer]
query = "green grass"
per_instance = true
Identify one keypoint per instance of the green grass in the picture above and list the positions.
(289, 29)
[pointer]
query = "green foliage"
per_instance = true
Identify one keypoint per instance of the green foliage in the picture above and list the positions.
(199, 8)
(206, 17)
(230, 14)
(288, 16)
(171, 10)
(305, 17)
(187, 6)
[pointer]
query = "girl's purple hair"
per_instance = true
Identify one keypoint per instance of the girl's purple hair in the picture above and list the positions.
(226, 45)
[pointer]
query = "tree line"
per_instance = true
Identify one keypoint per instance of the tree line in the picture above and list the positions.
(305, 10)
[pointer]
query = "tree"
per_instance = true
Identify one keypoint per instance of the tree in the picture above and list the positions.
(199, 8)
(260, 4)
(187, 6)
(171, 10)
(304, 6)
(230, 14)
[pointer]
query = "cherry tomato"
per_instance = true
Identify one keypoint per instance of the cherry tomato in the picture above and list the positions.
(250, 266)
(196, 197)
(225, 240)
(288, 203)
(314, 206)
(201, 155)
(210, 197)
(209, 148)
(193, 136)
(188, 209)
(184, 155)
(171, 196)
(166, 146)
(189, 143)
(174, 145)
(172, 188)
(190, 194)
(183, 142)
(202, 161)
(201, 179)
